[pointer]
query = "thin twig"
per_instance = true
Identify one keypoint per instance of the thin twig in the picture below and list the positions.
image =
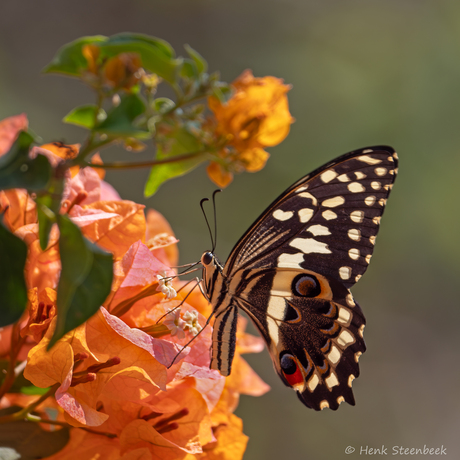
(24, 412)
(146, 164)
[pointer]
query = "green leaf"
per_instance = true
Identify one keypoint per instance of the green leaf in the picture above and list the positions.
(26, 440)
(189, 70)
(222, 91)
(120, 120)
(85, 281)
(76, 260)
(128, 38)
(13, 290)
(157, 55)
(180, 141)
(17, 170)
(163, 172)
(84, 116)
(46, 218)
(200, 62)
(48, 206)
(69, 59)
(33, 390)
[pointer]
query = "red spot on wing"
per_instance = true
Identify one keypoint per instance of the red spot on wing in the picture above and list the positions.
(294, 378)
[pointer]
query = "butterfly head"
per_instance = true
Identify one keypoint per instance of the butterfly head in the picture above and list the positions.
(207, 258)
(210, 263)
(212, 271)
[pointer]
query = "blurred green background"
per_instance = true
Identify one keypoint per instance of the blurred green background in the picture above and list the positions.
(363, 73)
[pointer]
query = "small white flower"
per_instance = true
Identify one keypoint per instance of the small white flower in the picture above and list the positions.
(164, 285)
(175, 324)
(191, 322)
(116, 100)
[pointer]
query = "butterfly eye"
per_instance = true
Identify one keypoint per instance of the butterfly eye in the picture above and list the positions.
(291, 369)
(306, 286)
(207, 258)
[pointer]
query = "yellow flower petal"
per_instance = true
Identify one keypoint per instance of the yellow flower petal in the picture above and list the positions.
(91, 53)
(257, 115)
(122, 71)
(254, 160)
(218, 175)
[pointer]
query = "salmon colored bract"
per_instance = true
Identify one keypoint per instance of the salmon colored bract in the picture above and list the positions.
(112, 375)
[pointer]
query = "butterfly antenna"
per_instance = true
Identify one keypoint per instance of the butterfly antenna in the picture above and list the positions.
(215, 217)
(207, 222)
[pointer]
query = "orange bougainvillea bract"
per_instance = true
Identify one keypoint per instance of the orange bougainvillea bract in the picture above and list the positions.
(129, 375)
(256, 116)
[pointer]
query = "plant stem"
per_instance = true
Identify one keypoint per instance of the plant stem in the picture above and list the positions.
(146, 164)
(89, 145)
(35, 419)
(89, 148)
(100, 433)
(24, 413)
(178, 91)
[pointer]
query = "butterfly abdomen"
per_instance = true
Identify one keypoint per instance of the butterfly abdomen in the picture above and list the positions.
(225, 314)
(224, 340)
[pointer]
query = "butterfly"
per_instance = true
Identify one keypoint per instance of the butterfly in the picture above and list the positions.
(292, 271)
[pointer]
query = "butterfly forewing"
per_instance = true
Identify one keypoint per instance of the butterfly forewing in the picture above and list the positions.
(292, 269)
(327, 221)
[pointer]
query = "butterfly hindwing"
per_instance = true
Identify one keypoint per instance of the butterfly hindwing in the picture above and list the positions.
(313, 329)
(292, 270)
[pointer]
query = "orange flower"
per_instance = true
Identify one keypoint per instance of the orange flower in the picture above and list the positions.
(113, 225)
(101, 358)
(218, 174)
(255, 117)
(91, 53)
(113, 374)
(230, 442)
(254, 159)
(135, 277)
(160, 238)
(42, 267)
(42, 310)
(61, 150)
(67, 152)
(56, 152)
(171, 427)
(9, 130)
(123, 71)
(18, 208)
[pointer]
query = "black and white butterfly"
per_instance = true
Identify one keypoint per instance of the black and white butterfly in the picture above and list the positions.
(292, 270)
